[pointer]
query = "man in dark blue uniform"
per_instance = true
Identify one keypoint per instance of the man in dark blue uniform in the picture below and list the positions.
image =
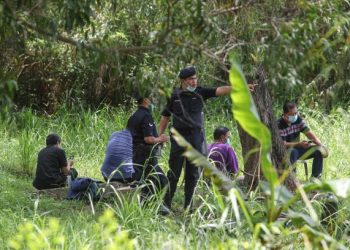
(186, 106)
(145, 145)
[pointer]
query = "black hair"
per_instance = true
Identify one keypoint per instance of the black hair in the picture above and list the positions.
(140, 96)
(220, 131)
(140, 100)
(52, 139)
(288, 105)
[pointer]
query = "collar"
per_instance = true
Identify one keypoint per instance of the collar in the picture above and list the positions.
(186, 92)
(144, 108)
(286, 122)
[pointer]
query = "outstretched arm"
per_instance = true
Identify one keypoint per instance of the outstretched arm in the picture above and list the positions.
(223, 90)
(226, 90)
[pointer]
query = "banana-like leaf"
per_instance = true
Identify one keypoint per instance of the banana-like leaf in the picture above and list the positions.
(246, 115)
(282, 194)
(299, 219)
(340, 187)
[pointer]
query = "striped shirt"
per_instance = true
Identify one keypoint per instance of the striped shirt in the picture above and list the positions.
(290, 132)
(118, 157)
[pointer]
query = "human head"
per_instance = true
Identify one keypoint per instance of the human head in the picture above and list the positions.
(188, 78)
(144, 99)
(53, 140)
(290, 111)
(222, 134)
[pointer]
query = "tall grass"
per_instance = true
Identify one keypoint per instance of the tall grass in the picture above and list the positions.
(85, 133)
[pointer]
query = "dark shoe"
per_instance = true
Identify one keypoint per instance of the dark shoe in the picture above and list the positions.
(189, 210)
(163, 210)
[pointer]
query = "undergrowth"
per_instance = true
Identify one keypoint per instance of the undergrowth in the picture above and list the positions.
(45, 223)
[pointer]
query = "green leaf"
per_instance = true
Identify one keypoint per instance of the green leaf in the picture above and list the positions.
(299, 219)
(340, 188)
(246, 115)
(282, 194)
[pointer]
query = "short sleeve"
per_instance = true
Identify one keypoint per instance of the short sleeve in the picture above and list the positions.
(207, 93)
(283, 135)
(62, 159)
(281, 131)
(304, 127)
(147, 126)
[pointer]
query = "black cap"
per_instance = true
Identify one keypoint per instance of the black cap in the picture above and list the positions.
(187, 72)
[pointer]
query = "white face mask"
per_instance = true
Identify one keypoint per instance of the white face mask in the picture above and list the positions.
(151, 107)
(228, 142)
(190, 88)
(292, 118)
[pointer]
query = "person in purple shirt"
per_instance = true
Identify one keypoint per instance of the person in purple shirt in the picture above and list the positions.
(221, 153)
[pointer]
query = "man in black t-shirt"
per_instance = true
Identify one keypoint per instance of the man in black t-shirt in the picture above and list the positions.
(186, 107)
(290, 125)
(52, 166)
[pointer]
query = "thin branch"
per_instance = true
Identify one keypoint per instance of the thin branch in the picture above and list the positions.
(77, 43)
(232, 9)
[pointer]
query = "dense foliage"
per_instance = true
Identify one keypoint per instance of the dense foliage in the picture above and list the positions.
(69, 58)
(89, 52)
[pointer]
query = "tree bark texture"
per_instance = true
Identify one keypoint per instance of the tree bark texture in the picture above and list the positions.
(250, 146)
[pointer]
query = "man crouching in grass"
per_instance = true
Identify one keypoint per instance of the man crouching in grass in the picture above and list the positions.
(52, 167)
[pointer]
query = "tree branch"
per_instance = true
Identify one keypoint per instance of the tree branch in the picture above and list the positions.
(217, 12)
(90, 46)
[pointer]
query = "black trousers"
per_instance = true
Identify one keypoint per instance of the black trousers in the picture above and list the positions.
(59, 182)
(147, 170)
(177, 161)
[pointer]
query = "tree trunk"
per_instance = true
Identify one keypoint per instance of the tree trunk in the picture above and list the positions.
(250, 147)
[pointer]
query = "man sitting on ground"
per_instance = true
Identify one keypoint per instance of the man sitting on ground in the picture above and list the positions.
(52, 166)
(290, 125)
(221, 153)
(118, 164)
(131, 154)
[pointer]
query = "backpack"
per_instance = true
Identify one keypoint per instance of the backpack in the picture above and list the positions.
(82, 188)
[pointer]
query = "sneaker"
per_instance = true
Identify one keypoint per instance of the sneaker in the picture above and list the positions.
(314, 179)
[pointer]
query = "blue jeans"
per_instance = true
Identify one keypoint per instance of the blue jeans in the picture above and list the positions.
(317, 164)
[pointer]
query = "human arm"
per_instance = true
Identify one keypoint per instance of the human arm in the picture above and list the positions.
(65, 170)
(163, 124)
(226, 90)
(313, 138)
(302, 144)
(64, 164)
(150, 135)
(232, 163)
(154, 140)
(223, 90)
